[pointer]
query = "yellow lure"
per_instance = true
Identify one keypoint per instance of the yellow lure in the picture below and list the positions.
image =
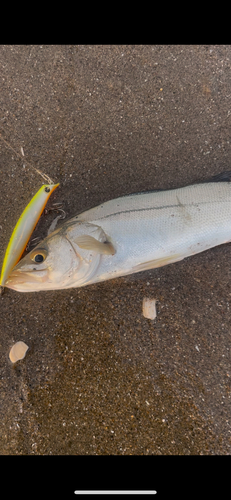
(24, 228)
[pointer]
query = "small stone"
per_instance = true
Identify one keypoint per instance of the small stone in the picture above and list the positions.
(18, 351)
(149, 308)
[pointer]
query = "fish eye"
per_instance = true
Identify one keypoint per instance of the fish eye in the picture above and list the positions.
(38, 255)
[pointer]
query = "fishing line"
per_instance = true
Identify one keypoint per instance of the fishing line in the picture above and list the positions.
(44, 176)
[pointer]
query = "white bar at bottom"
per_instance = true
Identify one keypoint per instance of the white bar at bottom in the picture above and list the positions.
(115, 492)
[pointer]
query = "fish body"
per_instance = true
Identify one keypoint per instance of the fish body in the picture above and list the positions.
(127, 235)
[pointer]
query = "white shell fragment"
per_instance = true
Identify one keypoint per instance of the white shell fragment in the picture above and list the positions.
(149, 308)
(18, 351)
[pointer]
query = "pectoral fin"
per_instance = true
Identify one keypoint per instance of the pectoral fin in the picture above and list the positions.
(89, 243)
(151, 264)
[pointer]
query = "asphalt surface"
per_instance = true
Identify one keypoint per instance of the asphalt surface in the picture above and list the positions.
(99, 378)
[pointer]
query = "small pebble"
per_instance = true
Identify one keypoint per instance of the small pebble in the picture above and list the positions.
(149, 308)
(18, 351)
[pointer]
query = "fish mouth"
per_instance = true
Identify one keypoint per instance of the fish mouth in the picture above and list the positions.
(20, 279)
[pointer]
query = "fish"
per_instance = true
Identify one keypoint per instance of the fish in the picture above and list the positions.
(24, 228)
(127, 235)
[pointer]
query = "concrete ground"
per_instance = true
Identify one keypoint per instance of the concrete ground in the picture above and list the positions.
(98, 377)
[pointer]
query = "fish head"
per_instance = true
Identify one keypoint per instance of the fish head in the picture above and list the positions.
(68, 257)
(50, 265)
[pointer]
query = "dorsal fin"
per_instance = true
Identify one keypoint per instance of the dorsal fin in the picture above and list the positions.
(222, 177)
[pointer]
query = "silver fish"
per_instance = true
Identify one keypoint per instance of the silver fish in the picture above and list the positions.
(128, 235)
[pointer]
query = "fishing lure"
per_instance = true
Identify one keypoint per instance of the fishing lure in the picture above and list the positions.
(24, 228)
